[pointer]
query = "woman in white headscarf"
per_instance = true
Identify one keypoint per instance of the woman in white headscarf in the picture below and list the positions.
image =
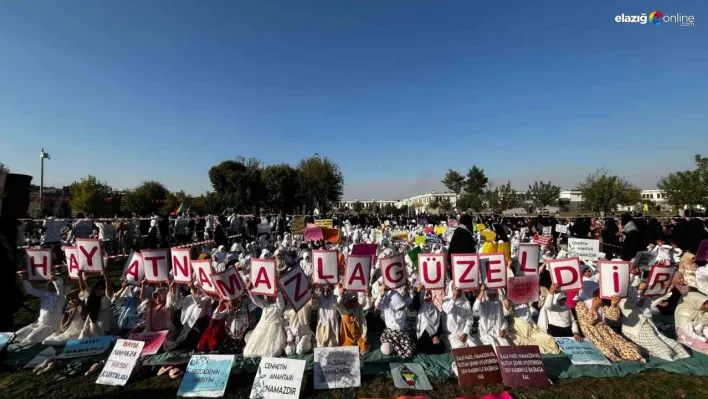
(268, 338)
(394, 339)
(691, 320)
(353, 328)
(458, 320)
(638, 327)
(556, 318)
(525, 332)
(327, 330)
(297, 330)
(493, 326)
(51, 308)
(306, 263)
(428, 323)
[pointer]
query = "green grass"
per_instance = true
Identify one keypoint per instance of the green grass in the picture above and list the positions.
(144, 383)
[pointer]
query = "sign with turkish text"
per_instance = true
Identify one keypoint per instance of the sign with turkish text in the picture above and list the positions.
(522, 366)
(206, 376)
(477, 365)
(522, 289)
(120, 363)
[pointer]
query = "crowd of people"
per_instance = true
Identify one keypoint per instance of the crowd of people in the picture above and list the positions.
(408, 320)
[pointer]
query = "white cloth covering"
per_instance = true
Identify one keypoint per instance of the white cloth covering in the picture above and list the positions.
(51, 308)
(268, 338)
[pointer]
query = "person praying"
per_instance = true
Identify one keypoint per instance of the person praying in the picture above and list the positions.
(493, 326)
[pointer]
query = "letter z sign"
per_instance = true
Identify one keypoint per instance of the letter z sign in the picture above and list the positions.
(466, 271)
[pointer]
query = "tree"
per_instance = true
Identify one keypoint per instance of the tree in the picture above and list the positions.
(390, 209)
(689, 187)
(321, 183)
(149, 197)
(544, 194)
(281, 185)
(604, 192)
(503, 198)
(4, 169)
(88, 196)
(468, 202)
(239, 184)
(177, 200)
(446, 205)
(476, 182)
(358, 206)
(434, 204)
(454, 181)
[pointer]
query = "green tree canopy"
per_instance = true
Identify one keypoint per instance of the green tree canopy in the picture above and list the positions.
(687, 188)
(150, 196)
(502, 198)
(88, 196)
(604, 192)
(476, 182)
(446, 205)
(239, 183)
(454, 181)
(358, 207)
(544, 194)
(321, 183)
(468, 202)
(281, 185)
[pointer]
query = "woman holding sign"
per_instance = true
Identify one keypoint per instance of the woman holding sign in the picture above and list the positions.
(353, 327)
(51, 306)
(100, 320)
(394, 339)
(428, 323)
(525, 332)
(492, 318)
(268, 338)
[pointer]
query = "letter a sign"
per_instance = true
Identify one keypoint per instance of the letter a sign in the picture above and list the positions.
(263, 275)
(72, 262)
(465, 271)
(393, 271)
(296, 287)
(614, 278)
(90, 255)
(431, 271)
(566, 273)
(202, 271)
(133, 271)
(39, 264)
(324, 264)
(357, 273)
(660, 277)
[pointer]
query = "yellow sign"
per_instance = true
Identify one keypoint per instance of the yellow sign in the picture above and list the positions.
(481, 227)
(439, 229)
(489, 248)
(419, 240)
(488, 235)
(324, 223)
(505, 248)
(386, 223)
(298, 225)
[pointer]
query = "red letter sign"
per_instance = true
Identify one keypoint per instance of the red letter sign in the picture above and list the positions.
(431, 271)
(229, 284)
(325, 269)
(393, 271)
(493, 270)
(39, 264)
(181, 271)
(72, 262)
(133, 271)
(90, 255)
(357, 273)
(202, 271)
(296, 287)
(566, 273)
(660, 277)
(528, 258)
(466, 271)
(263, 277)
(613, 278)
(156, 265)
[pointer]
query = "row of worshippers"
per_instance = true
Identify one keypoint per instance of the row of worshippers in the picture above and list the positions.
(444, 320)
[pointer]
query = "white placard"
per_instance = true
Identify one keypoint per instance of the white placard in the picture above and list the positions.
(431, 271)
(39, 264)
(156, 265)
(336, 368)
(393, 271)
(493, 267)
(547, 231)
(229, 284)
(133, 271)
(72, 262)
(528, 259)
(659, 279)
(181, 269)
(466, 271)
(586, 249)
(121, 362)
(90, 255)
(613, 278)
(325, 267)
(357, 273)
(278, 378)
(296, 287)
(202, 272)
(562, 228)
(566, 273)
(263, 277)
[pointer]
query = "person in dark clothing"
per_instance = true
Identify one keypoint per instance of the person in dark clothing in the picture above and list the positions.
(632, 238)
(428, 323)
(200, 227)
(164, 226)
(462, 241)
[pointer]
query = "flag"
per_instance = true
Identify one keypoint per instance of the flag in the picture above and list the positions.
(180, 207)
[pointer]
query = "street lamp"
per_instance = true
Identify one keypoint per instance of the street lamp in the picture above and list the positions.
(42, 156)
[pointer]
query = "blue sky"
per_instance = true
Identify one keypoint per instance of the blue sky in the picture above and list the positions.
(396, 92)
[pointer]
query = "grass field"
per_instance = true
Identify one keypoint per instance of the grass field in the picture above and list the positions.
(24, 384)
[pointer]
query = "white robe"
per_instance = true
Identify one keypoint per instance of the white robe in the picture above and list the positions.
(51, 308)
(458, 320)
(268, 338)
(492, 322)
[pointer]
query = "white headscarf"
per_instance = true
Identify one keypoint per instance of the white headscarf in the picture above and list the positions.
(327, 312)
(428, 318)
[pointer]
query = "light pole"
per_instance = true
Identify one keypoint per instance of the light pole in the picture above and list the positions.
(42, 155)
